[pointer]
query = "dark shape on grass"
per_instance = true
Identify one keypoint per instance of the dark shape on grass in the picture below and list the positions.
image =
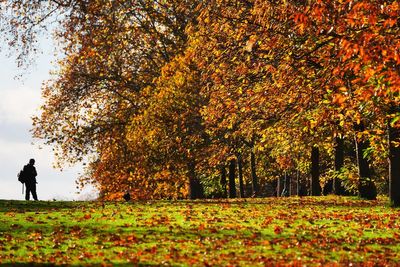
(28, 177)
(127, 196)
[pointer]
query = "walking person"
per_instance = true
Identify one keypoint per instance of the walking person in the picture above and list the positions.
(30, 180)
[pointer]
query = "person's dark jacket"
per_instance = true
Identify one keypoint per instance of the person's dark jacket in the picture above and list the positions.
(30, 174)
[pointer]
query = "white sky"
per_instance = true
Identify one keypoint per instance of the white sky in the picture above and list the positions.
(19, 100)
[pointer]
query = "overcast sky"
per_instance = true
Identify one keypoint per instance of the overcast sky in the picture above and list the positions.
(19, 100)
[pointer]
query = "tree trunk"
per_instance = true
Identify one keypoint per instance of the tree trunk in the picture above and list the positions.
(223, 182)
(338, 188)
(286, 185)
(278, 187)
(315, 186)
(232, 185)
(366, 187)
(195, 187)
(394, 166)
(254, 178)
(328, 187)
(240, 172)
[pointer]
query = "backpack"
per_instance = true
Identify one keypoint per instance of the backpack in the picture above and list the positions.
(22, 176)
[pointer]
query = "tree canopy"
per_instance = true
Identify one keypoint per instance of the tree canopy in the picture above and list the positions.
(159, 96)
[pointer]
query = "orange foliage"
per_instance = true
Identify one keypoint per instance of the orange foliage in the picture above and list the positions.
(155, 93)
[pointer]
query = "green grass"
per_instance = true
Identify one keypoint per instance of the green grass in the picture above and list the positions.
(249, 232)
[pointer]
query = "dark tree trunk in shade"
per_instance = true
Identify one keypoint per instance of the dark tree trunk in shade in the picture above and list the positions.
(232, 174)
(240, 173)
(315, 186)
(301, 188)
(272, 191)
(394, 165)
(223, 182)
(254, 178)
(338, 188)
(328, 187)
(278, 187)
(366, 187)
(195, 187)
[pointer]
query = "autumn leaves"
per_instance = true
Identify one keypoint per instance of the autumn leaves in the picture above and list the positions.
(251, 232)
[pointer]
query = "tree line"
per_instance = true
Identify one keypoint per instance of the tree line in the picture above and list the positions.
(191, 98)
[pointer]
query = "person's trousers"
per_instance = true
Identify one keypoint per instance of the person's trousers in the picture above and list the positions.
(30, 188)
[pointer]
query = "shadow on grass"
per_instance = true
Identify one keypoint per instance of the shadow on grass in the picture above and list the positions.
(325, 201)
(26, 206)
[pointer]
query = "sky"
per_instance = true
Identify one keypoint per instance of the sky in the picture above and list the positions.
(20, 99)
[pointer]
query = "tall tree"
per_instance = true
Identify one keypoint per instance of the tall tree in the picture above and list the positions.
(232, 176)
(315, 185)
(394, 160)
(114, 50)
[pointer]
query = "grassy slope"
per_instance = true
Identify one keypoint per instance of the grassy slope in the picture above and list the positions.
(185, 233)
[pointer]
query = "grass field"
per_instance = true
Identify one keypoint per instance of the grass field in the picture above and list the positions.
(249, 232)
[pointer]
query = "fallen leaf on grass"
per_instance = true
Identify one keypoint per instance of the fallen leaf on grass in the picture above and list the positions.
(277, 230)
(87, 216)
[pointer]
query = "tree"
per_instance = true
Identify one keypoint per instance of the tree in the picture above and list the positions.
(394, 161)
(160, 92)
(315, 186)
(169, 135)
(113, 50)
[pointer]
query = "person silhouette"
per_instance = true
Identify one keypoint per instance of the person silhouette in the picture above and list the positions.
(30, 180)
